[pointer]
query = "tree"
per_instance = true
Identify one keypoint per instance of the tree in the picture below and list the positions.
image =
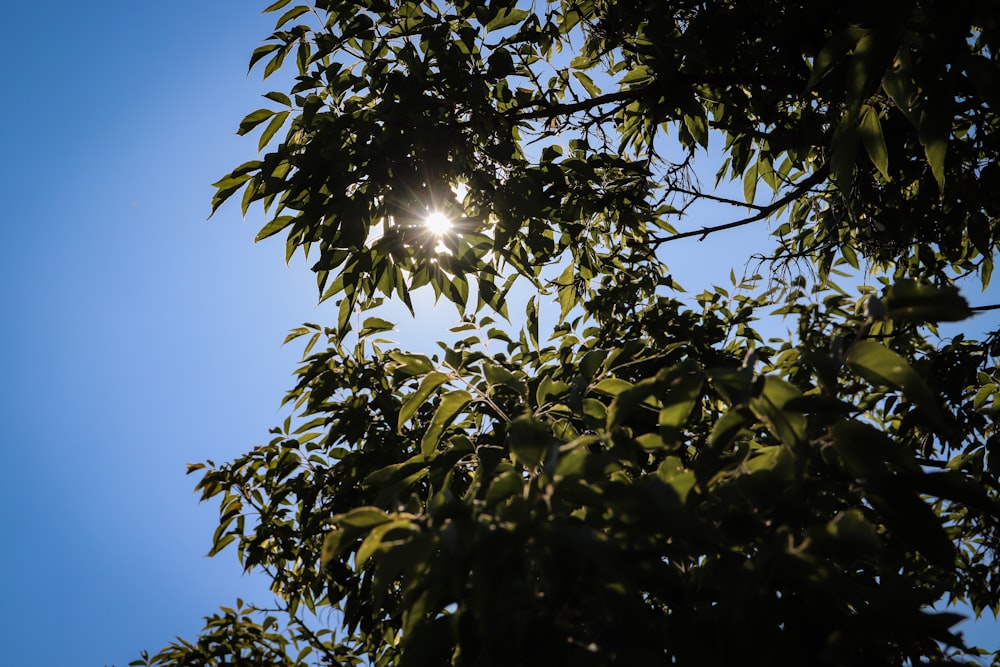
(653, 483)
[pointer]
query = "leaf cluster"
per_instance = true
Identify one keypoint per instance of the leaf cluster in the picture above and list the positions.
(655, 481)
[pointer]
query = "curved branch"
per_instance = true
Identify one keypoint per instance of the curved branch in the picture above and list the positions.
(694, 194)
(545, 110)
(816, 178)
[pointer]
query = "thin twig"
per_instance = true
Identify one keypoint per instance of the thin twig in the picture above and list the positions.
(549, 110)
(817, 177)
(716, 198)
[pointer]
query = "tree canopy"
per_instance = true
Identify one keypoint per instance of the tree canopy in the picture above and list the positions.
(652, 481)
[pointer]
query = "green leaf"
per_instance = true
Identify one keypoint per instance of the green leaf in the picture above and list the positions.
(673, 472)
(375, 325)
(280, 98)
(612, 386)
(574, 458)
(627, 400)
(431, 381)
(595, 409)
(498, 375)
(221, 544)
(775, 461)
(531, 313)
(273, 227)
(450, 406)
(850, 256)
(348, 527)
(726, 428)
(262, 51)
(227, 187)
(907, 300)
(506, 18)
(360, 517)
(376, 539)
(750, 182)
(503, 486)
(272, 128)
(934, 132)
(529, 441)
(276, 61)
(681, 397)
(851, 529)
(651, 441)
(291, 14)
(899, 86)
(733, 383)
(788, 425)
(253, 119)
(844, 151)
(588, 83)
(873, 141)
(833, 52)
(411, 365)
(697, 125)
(592, 362)
(239, 175)
(276, 6)
(549, 389)
(863, 64)
(880, 365)
(566, 289)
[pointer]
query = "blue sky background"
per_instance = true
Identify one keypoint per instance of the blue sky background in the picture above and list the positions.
(137, 336)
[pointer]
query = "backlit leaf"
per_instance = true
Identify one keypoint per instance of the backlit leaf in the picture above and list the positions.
(934, 132)
(450, 406)
(506, 18)
(673, 472)
(411, 364)
(678, 403)
(612, 386)
(529, 441)
(880, 365)
(273, 227)
(431, 381)
(873, 141)
(254, 119)
(911, 301)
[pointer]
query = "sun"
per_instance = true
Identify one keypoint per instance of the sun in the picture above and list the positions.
(437, 223)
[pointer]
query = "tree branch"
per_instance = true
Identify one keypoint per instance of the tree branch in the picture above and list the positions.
(314, 640)
(764, 211)
(543, 109)
(722, 200)
(564, 109)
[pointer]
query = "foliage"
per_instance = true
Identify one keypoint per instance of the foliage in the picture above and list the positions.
(654, 483)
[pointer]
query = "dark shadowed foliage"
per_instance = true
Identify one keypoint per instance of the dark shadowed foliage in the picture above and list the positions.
(652, 481)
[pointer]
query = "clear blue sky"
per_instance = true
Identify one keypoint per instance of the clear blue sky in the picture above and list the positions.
(137, 336)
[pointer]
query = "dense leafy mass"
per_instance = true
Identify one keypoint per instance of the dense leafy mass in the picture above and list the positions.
(653, 482)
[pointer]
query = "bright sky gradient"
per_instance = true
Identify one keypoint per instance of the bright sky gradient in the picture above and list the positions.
(137, 336)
